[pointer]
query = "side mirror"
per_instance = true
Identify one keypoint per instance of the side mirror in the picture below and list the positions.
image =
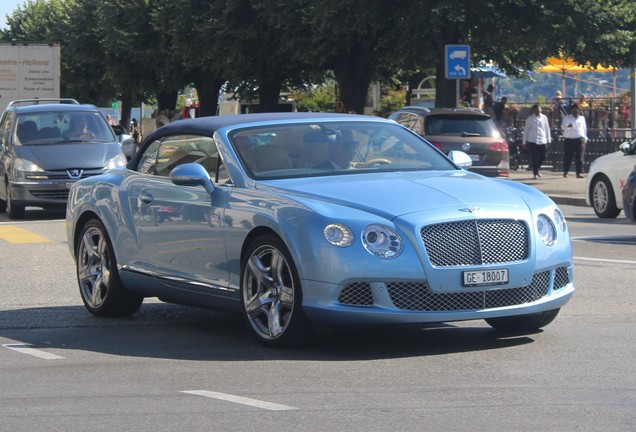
(460, 158)
(129, 147)
(628, 148)
(192, 174)
(625, 147)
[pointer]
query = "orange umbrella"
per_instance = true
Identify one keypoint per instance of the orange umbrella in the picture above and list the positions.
(562, 66)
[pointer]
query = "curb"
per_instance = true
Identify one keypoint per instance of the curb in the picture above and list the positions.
(568, 200)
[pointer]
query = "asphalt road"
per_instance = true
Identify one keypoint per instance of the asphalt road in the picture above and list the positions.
(177, 368)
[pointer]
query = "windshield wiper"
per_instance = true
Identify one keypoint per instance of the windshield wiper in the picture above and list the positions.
(470, 134)
(73, 141)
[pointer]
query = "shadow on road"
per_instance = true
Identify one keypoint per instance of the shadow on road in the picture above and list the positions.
(36, 214)
(181, 333)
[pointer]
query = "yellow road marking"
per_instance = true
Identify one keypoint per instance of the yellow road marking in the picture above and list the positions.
(13, 234)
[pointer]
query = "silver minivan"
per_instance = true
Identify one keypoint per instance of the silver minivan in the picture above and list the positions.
(48, 144)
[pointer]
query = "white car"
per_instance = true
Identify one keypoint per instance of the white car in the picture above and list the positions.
(607, 178)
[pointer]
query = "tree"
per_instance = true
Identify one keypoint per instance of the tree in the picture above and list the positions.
(359, 40)
(267, 43)
(127, 45)
(189, 42)
(69, 23)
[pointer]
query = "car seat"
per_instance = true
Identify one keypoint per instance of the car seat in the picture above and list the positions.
(271, 158)
(27, 131)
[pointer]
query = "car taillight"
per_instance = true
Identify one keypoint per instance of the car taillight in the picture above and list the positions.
(499, 146)
(436, 144)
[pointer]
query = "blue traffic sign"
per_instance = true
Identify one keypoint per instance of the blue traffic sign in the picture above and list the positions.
(457, 61)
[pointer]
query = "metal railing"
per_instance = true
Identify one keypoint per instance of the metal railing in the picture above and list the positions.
(608, 122)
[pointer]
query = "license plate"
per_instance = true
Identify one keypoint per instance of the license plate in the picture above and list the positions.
(486, 277)
(474, 157)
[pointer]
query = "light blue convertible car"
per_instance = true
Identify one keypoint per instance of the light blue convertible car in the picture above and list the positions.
(301, 221)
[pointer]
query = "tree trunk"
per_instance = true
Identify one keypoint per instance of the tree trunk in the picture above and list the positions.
(167, 100)
(353, 77)
(126, 108)
(268, 96)
(445, 89)
(208, 91)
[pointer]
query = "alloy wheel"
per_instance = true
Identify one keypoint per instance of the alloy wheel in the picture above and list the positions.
(93, 269)
(268, 292)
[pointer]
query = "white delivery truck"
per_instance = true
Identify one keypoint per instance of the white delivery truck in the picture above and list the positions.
(29, 71)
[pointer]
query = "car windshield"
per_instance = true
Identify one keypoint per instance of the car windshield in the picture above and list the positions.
(460, 125)
(59, 127)
(333, 148)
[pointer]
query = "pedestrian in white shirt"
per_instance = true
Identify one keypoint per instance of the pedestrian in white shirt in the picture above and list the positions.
(575, 133)
(536, 137)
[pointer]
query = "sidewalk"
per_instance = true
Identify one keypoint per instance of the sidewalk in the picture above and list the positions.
(567, 191)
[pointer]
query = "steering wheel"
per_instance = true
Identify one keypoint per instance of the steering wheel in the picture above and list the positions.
(375, 162)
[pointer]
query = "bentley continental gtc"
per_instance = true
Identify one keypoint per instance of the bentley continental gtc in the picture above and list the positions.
(304, 221)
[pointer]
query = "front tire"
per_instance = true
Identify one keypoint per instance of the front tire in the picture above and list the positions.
(14, 211)
(603, 199)
(271, 294)
(100, 286)
(522, 323)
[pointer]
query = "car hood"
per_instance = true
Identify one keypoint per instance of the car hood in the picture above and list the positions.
(72, 155)
(391, 195)
(607, 159)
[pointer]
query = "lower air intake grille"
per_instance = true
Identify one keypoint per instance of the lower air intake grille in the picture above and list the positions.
(356, 294)
(418, 297)
(561, 278)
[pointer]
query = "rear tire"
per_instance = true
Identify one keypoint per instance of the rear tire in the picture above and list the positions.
(603, 199)
(100, 286)
(521, 323)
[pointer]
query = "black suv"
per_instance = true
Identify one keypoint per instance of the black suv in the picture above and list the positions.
(466, 129)
(48, 144)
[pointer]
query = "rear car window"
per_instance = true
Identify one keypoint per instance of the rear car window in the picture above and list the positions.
(460, 125)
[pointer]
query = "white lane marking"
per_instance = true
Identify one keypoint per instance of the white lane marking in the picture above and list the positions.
(240, 400)
(25, 349)
(605, 260)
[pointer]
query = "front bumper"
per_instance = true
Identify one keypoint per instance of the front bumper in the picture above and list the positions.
(47, 193)
(411, 302)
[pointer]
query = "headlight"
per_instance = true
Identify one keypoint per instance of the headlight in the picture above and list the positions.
(559, 219)
(116, 162)
(338, 235)
(546, 230)
(382, 241)
(26, 166)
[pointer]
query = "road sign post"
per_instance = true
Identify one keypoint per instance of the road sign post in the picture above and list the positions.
(457, 65)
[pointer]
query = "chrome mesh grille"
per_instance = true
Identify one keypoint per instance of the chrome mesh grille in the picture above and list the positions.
(476, 242)
(561, 278)
(356, 294)
(418, 297)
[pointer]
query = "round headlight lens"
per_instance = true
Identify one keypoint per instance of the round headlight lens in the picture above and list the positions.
(546, 230)
(559, 219)
(382, 241)
(338, 235)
